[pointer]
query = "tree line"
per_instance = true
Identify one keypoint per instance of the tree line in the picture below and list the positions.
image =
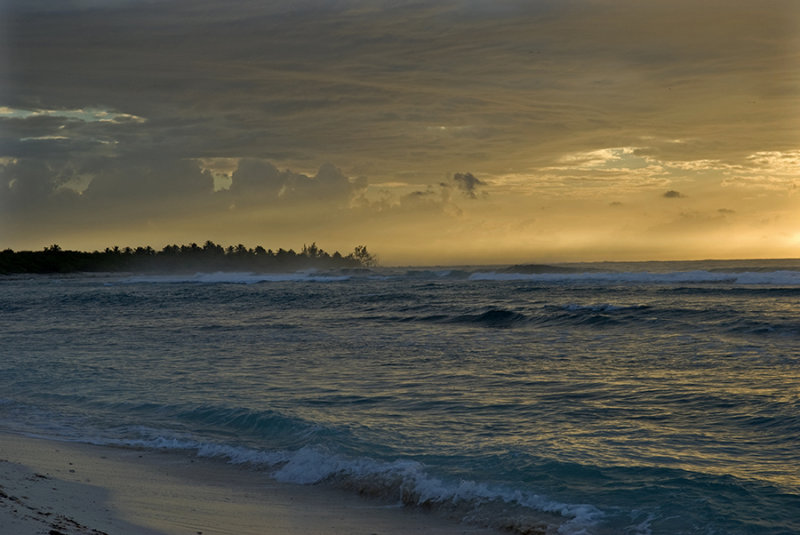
(192, 257)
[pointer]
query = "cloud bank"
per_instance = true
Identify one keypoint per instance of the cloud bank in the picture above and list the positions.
(170, 121)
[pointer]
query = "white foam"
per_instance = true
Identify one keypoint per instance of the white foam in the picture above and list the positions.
(780, 278)
(232, 454)
(408, 479)
(311, 465)
(774, 278)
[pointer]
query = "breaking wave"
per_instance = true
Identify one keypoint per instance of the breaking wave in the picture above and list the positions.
(406, 482)
(787, 278)
(225, 277)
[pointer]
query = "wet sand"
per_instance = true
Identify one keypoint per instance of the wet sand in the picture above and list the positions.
(59, 488)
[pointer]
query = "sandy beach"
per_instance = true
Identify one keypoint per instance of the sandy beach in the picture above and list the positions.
(59, 488)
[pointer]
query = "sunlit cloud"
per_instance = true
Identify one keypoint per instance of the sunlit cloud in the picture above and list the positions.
(44, 138)
(221, 169)
(86, 115)
(615, 157)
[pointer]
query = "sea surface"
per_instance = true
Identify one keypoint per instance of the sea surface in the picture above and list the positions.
(643, 398)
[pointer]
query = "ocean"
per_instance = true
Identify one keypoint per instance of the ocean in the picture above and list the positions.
(609, 398)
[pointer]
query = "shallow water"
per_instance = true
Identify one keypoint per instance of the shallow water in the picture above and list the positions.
(644, 398)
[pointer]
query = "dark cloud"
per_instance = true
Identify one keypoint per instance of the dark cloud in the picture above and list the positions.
(431, 200)
(101, 184)
(328, 184)
(351, 81)
(258, 180)
(33, 185)
(33, 190)
(150, 181)
(256, 176)
(468, 184)
(106, 106)
(428, 196)
(672, 194)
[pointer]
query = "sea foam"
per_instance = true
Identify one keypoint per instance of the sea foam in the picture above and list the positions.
(787, 278)
(405, 481)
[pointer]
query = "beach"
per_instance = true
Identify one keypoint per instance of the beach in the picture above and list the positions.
(647, 399)
(53, 487)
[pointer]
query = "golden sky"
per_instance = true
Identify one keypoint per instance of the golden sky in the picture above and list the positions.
(435, 132)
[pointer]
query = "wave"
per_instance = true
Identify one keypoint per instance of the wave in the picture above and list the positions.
(602, 307)
(603, 315)
(779, 278)
(403, 481)
(249, 426)
(494, 317)
(227, 277)
(433, 274)
(599, 314)
(512, 490)
(745, 326)
(642, 494)
(293, 450)
(785, 278)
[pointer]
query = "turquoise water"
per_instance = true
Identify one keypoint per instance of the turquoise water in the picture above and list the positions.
(642, 399)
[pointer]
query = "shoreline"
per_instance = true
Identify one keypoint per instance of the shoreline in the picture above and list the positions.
(67, 488)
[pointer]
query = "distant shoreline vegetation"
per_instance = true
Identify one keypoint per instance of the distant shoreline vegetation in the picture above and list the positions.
(181, 258)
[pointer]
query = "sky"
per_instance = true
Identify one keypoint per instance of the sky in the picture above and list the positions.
(435, 132)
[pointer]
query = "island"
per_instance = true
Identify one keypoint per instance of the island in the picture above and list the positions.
(181, 258)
